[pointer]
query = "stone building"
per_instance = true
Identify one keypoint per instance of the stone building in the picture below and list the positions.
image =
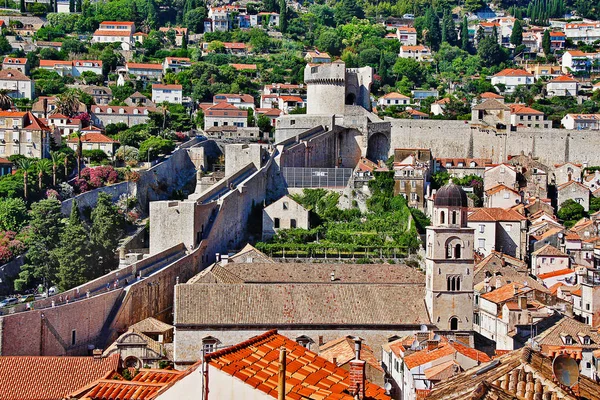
(497, 229)
(130, 116)
(412, 169)
(501, 196)
(503, 174)
(449, 262)
(548, 259)
(576, 191)
(285, 213)
(23, 133)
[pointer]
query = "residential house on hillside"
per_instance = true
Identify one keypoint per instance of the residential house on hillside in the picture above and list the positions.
(417, 52)
(407, 35)
(105, 115)
(508, 79)
(393, 99)
(167, 93)
(63, 124)
(72, 68)
(521, 115)
(587, 32)
(317, 57)
(148, 71)
(573, 190)
(563, 85)
(46, 105)
(224, 114)
(115, 31)
(6, 167)
(574, 61)
(139, 100)
(20, 64)
(102, 95)
(176, 64)
(491, 112)
(438, 107)
(23, 133)
(285, 213)
(18, 85)
(581, 121)
(461, 167)
(240, 101)
(180, 33)
(95, 141)
(497, 229)
(412, 169)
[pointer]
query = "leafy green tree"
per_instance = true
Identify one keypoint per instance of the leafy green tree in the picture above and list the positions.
(13, 214)
(516, 37)
(153, 146)
(105, 233)
(330, 42)
(44, 237)
(546, 43)
(74, 252)
(570, 211)
(5, 47)
(264, 123)
(409, 68)
(345, 10)
(152, 17)
(490, 52)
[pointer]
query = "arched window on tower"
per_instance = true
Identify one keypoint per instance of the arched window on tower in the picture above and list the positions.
(442, 217)
(453, 217)
(457, 251)
(453, 324)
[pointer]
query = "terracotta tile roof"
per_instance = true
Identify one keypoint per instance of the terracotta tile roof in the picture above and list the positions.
(416, 113)
(559, 272)
(549, 251)
(238, 46)
(292, 303)
(291, 98)
(34, 123)
(491, 104)
(171, 60)
(548, 233)
(317, 54)
(13, 75)
(5, 161)
(40, 378)
(506, 292)
(143, 66)
(495, 214)
(342, 350)
(271, 112)
(406, 29)
(498, 188)
(14, 61)
(443, 371)
(128, 23)
(513, 72)
(158, 86)
(126, 110)
(244, 67)
(256, 362)
(445, 348)
(577, 292)
(445, 100)
(564, 78)
(554, 288)
(523, 109)
(395, 95)
(223, 97)
(108, 32)
(93, 137)
(569, 326)
(510, 371)
(490, 95)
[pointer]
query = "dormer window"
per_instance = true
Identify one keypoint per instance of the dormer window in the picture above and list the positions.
(568, 340)
(209, 344)
(304, 341)
(586, 340)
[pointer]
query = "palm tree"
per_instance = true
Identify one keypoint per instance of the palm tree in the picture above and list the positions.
(68, 103)
(6, 102)
(66, 164)
(43, 166)
(56, 158)
(25, 164)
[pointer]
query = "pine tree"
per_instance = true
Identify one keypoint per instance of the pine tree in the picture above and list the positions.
(382, 70)
(44, 237)
(480, 35)
(464, 34)
(73, 254)
(516, 37)
(546, 43)
(106, 231)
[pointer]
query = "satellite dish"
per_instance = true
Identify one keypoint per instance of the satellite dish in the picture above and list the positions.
(424, 328)
(565, 370)
(437, 337)
(387, 387)
(560, 235)
(414, 345)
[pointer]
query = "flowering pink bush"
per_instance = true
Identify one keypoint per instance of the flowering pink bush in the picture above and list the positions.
(182, 137)
(9, 246)
(52, 194)
(93, 178)
(85, 119)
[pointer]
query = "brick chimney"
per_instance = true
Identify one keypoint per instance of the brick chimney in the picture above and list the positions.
(97, 354)
(432, 344)
(357, 372)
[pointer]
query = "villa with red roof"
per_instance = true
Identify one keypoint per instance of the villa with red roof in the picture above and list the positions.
(510, 78)
(20, 64)
(95, 141)
(563, 85)
(144, 70)
(522, 115)
(498, 229)
(581, 121)
(72, 68)
(167, 93)
(115, 31)
(393, 99)
(23, 133)
(176, 64)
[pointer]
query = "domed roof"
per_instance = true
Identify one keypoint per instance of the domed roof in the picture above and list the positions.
(450, 195)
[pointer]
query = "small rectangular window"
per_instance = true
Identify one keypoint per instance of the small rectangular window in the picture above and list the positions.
(73, 337)
(481, 228)
(292, 223)
(276, 223)
(481, 243)
(285, 205)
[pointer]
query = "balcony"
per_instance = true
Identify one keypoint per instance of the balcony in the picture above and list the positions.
(591, 277)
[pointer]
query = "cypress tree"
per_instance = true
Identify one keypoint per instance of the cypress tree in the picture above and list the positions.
(434, 33)
(516, 37)
(449, 30)
(464, 34)
(73, 254)
(546, 43)
(283, 22)
(152, 17)
(22, 6)
(106, 231)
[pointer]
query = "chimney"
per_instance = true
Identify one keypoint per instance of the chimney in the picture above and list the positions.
(321, 342)
(515, 289)
(97, 354)
(432, 344)
(224, 259)
(217, 257)
(357, 372)
(281, 383)
(332, 276)
(523, 302)
(45, 107)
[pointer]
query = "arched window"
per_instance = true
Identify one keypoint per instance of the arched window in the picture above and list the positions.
(453, 324)
(442, 217)
(457, 251)
(458, 283)
(209, 344)
(448, 283)
(453, 217)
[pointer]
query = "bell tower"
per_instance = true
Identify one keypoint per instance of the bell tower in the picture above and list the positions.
(449, 262)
